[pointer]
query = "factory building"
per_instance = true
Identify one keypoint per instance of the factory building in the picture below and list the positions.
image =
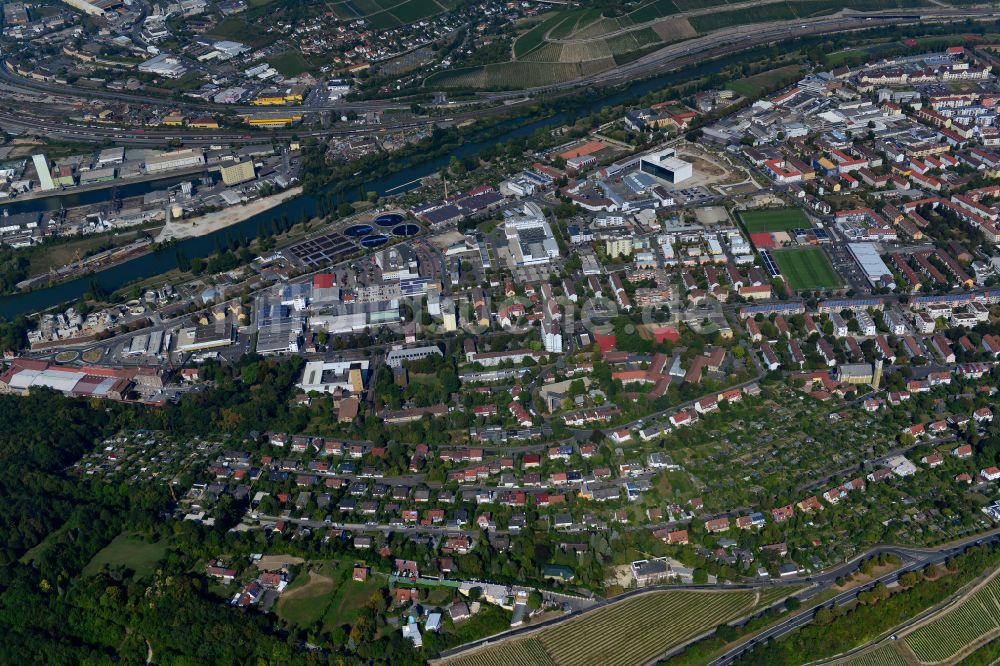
(238, 173)
(178, 159)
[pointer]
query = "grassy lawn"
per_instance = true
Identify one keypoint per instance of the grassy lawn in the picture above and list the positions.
(806, 268)
(306, 599)
(290, 63)
(189, 81)
(349, 598)
(849, 57)
(778, 219)
(239, 30)
(128, 550)
(758, 84)
(326, 592)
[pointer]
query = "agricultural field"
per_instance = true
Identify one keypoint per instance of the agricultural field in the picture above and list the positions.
(570, 43)
(585, 37)
(775, 219)
(966, 625)
(882, 656)
(806, 268)
(130, 551)
(515, 75)
(634, 631)
(385, 14)
(794, 9)
(526, 652)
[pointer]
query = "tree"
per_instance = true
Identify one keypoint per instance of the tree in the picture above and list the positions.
(823, 616)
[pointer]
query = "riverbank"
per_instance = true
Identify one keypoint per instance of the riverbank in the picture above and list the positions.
(206, 224)
(109, 185)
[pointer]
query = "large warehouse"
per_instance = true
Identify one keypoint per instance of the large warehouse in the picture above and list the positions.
(875, 270)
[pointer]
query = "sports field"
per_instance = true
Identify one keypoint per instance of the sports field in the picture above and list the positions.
(775, 219)
(806, 268)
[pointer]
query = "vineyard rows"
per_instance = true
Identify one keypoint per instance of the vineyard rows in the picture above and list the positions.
(627, 633)
(883, 656)
(526, 652)
(946, 635)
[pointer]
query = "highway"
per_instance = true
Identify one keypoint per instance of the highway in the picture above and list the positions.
(669, 58)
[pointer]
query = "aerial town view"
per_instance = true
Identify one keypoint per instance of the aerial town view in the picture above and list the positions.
(500, 333)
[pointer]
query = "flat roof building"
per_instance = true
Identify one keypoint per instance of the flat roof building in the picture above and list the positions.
(44, 177)
(177, 159)
(198, 338)
(396, 357)
(165, 65)
(855, 373)
(875, 270)
(238, 173)
(530, 237)
(329, 376)
(666, 165)
(111, 156)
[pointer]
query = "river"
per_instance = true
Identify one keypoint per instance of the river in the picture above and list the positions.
(159, 262)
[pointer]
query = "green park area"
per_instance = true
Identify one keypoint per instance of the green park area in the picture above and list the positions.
(130, 551)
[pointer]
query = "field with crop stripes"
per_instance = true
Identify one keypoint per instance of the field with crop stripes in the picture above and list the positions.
(627, 633)
(524, 652)
(883, 656)
(941, 639)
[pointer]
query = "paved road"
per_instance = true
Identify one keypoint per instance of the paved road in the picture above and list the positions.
(919, 559)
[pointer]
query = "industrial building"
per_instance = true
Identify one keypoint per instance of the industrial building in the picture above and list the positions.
(530, 238)
(111, 157)
(273, 119)
(104, 175)
(42, 168)
(165, 65)
(341, 318)
(92, 381)
(200, 338)
(278, 341)
(177, 159)
(238, 173)
(875, 270)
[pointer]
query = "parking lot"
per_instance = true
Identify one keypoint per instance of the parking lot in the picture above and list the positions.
(689, 195)
(848, 269)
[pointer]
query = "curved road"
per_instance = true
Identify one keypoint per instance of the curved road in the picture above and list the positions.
(920, 558)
